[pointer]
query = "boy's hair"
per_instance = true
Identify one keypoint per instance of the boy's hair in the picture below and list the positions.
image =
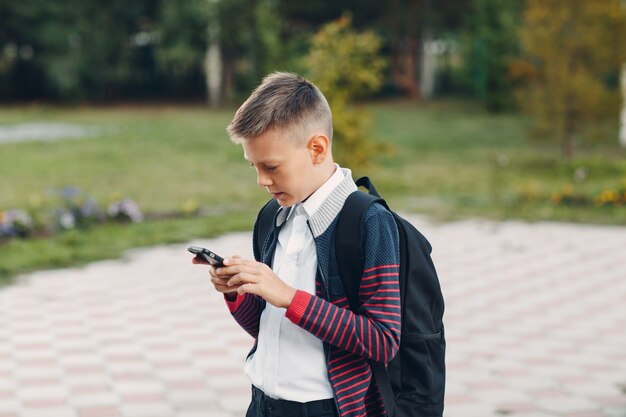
(283, 101)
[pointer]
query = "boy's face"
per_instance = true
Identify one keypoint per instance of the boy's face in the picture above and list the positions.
(288, 168)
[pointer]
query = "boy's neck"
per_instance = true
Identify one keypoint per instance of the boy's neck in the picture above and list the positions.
(329, 170)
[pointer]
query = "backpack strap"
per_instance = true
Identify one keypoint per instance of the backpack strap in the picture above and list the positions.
(349, 243)
(265, 221)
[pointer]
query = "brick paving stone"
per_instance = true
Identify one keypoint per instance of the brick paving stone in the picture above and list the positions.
(530, 414)
(99, 412)
(614, 412)
(516, 408)
(100, 399)
(191, 396)
(155, 409)
(584, 414)
(48, 412)
(469, 410)
(567, 404)
(502, 395)
(9, 405)
(208, 411)
(454, 399)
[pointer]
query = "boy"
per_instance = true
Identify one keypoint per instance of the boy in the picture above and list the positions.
(310, 356)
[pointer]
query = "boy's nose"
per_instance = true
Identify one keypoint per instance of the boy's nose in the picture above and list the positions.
(263, 180)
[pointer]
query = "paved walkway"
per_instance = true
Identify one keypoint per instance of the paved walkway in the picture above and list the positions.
(536, 319)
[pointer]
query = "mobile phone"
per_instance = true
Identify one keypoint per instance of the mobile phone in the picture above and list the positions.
(207, 255)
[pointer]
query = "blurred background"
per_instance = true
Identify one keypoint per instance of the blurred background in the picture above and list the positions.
(498, 127)
(113, 114)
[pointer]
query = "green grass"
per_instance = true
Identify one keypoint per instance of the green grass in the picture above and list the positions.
(158, 156)
(443, 163)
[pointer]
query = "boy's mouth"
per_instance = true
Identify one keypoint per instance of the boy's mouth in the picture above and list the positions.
(276, 195)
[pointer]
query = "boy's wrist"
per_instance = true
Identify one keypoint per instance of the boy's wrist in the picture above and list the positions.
(289, 298)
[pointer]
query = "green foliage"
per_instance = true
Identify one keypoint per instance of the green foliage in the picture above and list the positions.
(253, 41)
(492, 42)
(573, 53)
(84, 49)
(181, 47)
(346, 66)
(89, 49)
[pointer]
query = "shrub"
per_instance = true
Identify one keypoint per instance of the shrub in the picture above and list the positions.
(346, 65)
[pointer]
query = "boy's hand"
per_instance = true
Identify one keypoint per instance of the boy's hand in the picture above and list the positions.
(220, 281)
(257, 278)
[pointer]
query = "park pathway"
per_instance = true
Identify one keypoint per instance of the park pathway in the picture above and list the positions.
(535, 322)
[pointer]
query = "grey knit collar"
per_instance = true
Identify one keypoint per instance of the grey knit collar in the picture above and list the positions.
(329, 209)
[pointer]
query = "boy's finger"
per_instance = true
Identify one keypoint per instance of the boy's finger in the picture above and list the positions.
(224, 289)
(237, 260)
(196, 260)
(229, 270)
(220, 281)
(242, 278)
(246, 288)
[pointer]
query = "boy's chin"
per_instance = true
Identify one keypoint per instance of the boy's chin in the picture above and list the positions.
(285, 200)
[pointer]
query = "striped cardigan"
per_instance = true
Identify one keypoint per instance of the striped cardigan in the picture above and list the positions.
(349, 339)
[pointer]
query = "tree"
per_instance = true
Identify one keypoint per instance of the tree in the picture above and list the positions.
(235, 42)
(622, 119)
(346, 65)
(493, 42)
(89, 49)
(182, 29)
(574, 50)
(72, 49)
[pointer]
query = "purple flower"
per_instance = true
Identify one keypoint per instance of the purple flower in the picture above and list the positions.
(90, 210)
(125, 209)
(15, 223)
(69, 193)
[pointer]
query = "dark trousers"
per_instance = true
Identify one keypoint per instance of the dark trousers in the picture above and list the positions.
(264, 406)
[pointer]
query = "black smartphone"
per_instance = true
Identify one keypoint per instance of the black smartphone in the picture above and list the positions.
(207, 255)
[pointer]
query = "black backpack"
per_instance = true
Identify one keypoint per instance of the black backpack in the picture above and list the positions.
(413, 383)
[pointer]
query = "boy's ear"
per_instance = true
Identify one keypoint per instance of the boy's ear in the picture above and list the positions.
(318, 147)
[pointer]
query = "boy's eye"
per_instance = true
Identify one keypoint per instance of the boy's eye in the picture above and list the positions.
(271, 167)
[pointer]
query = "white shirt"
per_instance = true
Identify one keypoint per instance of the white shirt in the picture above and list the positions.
(289, 362)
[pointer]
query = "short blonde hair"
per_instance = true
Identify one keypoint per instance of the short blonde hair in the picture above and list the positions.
(282, 101)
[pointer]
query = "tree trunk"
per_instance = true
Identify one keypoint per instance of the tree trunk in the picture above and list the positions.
(622, 125)
(213, 73)
(567, 146)
(405, 51)
(213, 68)
(428, 68)
(228, 83)
(404, 65)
